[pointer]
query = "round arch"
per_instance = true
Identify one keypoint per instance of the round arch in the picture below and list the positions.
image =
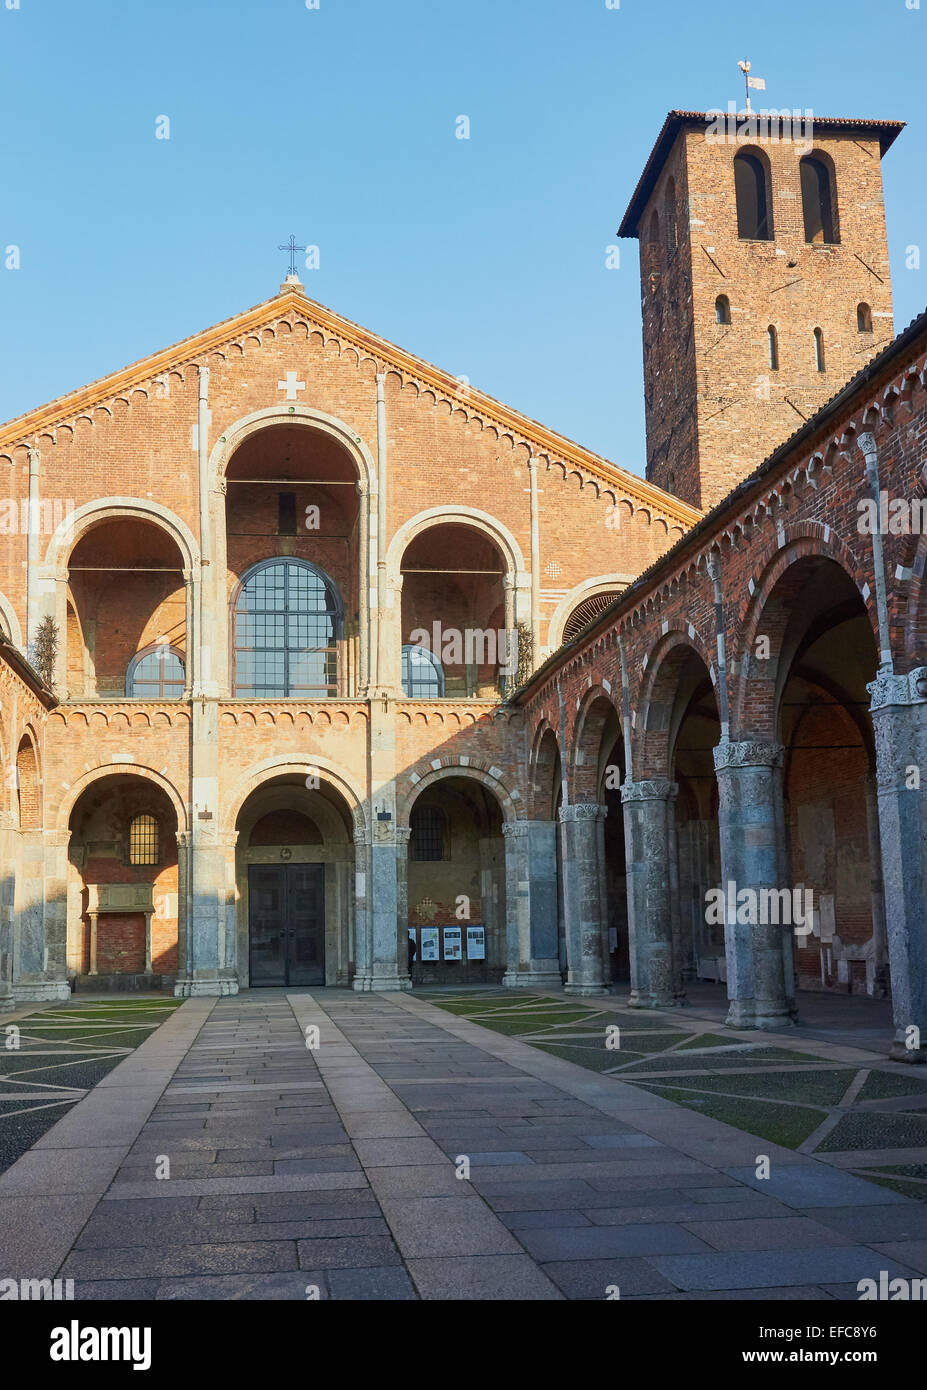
(658, 699)
(752, 690)
(438, 774)
(270, 768)
(545, 755)
(69, 531)
(96, 774)
(589, 588)
(500, 535)
(304, 415)
(9, 620)
(586, 737)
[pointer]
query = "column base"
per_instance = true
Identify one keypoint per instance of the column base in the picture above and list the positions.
(774, 1019)
(586, 989)
(535, 977)
(638, 1000)
(740, 1014)
(913, 1056)
(38, 994)
(197, 989)
(383, 984)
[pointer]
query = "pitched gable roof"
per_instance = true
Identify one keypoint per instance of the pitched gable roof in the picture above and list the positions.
(292, 300)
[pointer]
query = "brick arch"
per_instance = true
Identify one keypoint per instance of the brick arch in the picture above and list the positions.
(270, 768)
(542, 790)
(658, 692)
(96, 774)
(754, 703)
(585, 746)
(73, 527)
(453, 515)
(10, 622)
(29, 798)
(232, 438)
(909, 622)
(475, 771)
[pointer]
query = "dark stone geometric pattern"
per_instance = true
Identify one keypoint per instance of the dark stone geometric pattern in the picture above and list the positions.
(51, 1058)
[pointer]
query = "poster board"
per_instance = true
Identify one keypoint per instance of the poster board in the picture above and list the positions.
(476, 943)
(429, 950)
(452, 944)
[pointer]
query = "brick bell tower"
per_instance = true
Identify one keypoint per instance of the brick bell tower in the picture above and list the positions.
(764, 281)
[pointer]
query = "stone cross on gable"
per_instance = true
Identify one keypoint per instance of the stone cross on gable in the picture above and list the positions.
(291, 385)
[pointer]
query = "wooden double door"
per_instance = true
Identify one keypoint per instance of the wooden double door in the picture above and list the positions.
(286, 921)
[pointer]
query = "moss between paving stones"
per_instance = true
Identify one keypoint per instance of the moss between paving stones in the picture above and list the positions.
(907, 1189)
(803, 1088)
(865, 1130)
(725, 1062)
(592, 1058)
(514, 1026)
(883, 1085)
(788, 1125)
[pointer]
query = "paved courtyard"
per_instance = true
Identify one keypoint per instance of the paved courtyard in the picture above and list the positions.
(419, 1153)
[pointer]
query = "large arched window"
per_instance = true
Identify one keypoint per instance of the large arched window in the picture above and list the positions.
(818, 200)
(286, 625)
(751, 189)
(422, 673)
(156, 673)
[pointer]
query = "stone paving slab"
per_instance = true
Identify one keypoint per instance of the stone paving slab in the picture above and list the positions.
(335, 1170)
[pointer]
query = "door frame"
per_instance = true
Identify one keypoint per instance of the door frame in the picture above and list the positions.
(283, 868)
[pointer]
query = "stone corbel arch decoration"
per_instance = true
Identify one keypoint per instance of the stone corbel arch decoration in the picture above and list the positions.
(264, 771)
(589, 588)
(96, 774)
(507, 803)
(10, 623)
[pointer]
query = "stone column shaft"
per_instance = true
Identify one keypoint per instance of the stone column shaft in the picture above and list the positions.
(647, 812)
(899, 721)
(749, 785)
(582, 898)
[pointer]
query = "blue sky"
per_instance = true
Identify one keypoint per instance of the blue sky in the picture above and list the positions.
(487, 256)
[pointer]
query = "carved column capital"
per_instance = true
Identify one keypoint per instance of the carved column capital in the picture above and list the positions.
(654, 789)
(889, 689)
(747, 753)
(583, 811)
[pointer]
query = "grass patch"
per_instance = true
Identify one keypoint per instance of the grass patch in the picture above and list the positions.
(906, 1189)
(803, 1088)
(865, 1130)
(706, 1040)
(884, 1085)
(592, 1058)
(513, 1026)
(788, 1125)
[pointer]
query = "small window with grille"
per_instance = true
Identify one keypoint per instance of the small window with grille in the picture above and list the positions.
(429, 833)
(144, 847)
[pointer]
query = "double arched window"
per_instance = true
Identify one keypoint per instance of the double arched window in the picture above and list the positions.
(422, 674)
(156, 673)
(286, 626)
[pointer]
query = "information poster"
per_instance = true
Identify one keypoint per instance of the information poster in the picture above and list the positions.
(453, 947)
(430, 943)
(476, 943)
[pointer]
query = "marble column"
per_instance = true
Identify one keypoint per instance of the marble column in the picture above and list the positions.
(749, 784)
(582, 899)
(648, 810)
(363, 955)
(899, 720)
(383, 912)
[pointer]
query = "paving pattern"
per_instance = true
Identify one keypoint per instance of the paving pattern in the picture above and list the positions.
(51, 1057)
(818, 1101)
(416, 1154)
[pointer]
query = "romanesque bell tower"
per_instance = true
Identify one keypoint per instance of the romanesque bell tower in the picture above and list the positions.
(765, 284)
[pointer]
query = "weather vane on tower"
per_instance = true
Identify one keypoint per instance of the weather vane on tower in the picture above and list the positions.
(757, 83)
